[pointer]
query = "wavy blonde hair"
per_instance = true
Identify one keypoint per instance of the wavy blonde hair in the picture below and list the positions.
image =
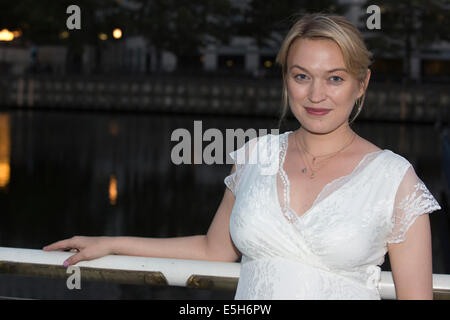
(357, 57)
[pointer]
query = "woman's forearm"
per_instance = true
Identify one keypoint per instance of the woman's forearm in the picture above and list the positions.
(190, 247)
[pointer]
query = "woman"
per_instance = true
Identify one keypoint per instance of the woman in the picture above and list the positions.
(319, 226)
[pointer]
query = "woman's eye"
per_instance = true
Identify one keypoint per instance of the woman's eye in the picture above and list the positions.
(336, 79)
(300, 76)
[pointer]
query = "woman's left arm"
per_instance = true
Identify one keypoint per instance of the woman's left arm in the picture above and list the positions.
(411, 262)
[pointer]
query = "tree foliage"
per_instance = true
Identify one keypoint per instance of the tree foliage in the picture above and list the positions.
(183, 26)
(266, 20)
(409, 26)
(43, 21)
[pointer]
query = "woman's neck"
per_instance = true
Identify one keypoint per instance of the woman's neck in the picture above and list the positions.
(319, 144)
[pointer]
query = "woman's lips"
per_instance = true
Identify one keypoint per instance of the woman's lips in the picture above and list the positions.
(317, 111)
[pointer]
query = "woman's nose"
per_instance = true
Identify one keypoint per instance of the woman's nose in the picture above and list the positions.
(316, 92)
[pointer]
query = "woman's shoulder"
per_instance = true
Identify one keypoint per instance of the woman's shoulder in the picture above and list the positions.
(364, 146)
(393, 158)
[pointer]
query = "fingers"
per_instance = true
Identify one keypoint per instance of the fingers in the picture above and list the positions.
(83, 255)
(82, 246)
(74, 259)
(63, 244)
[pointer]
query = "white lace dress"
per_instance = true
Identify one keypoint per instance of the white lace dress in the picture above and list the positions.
(334, 250)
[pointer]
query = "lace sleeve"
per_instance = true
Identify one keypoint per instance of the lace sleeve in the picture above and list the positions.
(411, 200)
(240, 158)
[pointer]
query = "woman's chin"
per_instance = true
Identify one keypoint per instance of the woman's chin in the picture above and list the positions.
(318, 126)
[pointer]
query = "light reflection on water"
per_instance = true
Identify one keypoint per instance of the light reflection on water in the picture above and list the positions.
(65, 174)
(5, 151)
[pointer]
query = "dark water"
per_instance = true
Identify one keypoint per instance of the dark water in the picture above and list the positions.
(111, 174)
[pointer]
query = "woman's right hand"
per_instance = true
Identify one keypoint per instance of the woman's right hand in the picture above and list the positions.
(87, 248)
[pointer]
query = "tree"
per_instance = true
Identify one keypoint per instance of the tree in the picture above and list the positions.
(182, 26)
(43, 22)
(266, 20)
(407, 26)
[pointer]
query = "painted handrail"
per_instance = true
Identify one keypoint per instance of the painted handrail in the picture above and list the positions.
(123, 269)
(158, 271)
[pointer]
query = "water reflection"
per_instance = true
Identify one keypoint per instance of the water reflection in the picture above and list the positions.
(5, 151)
(111, 174)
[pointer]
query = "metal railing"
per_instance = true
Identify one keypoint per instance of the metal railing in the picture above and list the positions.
(159, 272)
(424, 103)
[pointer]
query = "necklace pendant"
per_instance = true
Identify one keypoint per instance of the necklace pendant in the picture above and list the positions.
(303, 170)
(312, 175)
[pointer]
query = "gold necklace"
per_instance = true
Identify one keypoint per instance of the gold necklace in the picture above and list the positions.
(330, 154)
(328, 157)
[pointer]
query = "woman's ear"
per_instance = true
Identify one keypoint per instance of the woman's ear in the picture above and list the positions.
(364, 84)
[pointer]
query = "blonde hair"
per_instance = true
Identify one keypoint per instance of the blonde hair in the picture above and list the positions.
(357, 57)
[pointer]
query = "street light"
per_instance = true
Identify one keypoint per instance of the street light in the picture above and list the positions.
(117, 33)
(17, 33)
(6, 35)
(64, 35)
(103, 36)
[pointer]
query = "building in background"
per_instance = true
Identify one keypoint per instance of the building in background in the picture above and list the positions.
(134, 54)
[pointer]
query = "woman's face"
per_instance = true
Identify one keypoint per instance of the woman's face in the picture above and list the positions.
(317, 78)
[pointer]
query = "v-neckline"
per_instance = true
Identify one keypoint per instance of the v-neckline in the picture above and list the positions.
(290, 214)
